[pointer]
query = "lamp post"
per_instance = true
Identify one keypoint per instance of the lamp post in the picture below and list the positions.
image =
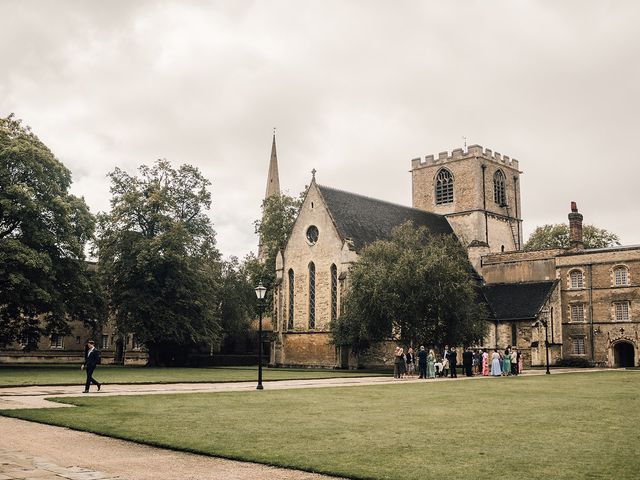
(545, 321)
(260, 292)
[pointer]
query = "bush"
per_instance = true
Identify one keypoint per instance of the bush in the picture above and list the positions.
(576, 362)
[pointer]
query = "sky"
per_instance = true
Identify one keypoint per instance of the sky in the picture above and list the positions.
(356, 89)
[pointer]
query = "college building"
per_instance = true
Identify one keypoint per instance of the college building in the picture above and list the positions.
(584, 304)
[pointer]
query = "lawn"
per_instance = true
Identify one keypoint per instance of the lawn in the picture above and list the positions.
(11, 376)
(569, 426)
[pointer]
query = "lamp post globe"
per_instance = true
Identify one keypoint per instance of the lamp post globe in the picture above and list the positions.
(260, 293)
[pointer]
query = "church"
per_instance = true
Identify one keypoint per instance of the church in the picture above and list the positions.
(577, 305)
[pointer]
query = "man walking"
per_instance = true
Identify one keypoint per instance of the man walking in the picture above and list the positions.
(91, 360)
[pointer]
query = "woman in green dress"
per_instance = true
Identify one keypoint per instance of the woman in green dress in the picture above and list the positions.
(506, 362)
(431, 367)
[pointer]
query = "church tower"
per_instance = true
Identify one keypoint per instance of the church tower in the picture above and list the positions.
(273, 186)
(478, 191)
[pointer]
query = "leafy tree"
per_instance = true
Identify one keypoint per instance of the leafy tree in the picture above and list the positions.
(557, 236)
(44, 281)
(158, 259)
(279, 212)
(415, 287)
(238, 299)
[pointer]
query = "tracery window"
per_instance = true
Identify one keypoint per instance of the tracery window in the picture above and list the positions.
(577, 279)
(312, 296)
(291, 299)
(499, 191)
(334, 293)
(620, 276)
(444, 187)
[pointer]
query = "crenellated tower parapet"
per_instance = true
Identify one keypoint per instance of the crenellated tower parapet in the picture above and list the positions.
(473, 151)
(477, 189)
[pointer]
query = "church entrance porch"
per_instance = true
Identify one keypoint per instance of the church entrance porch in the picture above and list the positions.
(623, 355)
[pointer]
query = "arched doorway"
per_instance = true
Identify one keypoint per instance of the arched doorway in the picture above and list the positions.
(623, 355)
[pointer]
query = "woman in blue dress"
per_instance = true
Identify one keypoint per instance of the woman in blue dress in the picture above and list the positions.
(506, 361)
(431, 365)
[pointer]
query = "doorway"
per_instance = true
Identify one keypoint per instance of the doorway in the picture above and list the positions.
(623, 355)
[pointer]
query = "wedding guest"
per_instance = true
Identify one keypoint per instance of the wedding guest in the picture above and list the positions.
(514, 361)
(431, 367)
(453, 362)
(411, 367)
(495, 363)
(467, 362)
(422, 362)
(506, 361)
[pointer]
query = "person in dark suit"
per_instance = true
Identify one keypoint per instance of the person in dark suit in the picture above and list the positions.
(91, 360)
(467, 362)
(453, 362)
(422, 362)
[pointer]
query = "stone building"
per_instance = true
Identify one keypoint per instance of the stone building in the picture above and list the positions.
(580, 303)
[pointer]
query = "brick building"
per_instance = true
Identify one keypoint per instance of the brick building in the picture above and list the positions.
(584, 302)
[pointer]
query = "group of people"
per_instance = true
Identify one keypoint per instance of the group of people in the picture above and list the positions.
(474, 362)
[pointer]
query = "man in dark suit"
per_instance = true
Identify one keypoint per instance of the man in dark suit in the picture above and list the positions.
(91, 360)
(467, 362)
(453, 362)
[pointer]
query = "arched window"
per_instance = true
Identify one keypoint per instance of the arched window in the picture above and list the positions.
(334, 293)
(291, 298)
(620, 276)
(499, 191)
(312, 296)
(577, 279)
(444, 187)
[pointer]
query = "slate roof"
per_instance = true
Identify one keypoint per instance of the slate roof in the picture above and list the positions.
(365, 220)
(517, 301)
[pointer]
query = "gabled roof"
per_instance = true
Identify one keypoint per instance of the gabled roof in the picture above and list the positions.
(517, 301)
(365, 220)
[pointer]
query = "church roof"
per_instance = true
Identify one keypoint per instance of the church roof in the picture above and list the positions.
(517, 301)
(365, 220)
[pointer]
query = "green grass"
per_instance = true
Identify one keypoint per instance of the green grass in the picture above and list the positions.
(11, 376)
(570, 426)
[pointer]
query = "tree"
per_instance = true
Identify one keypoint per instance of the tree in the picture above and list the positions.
(238, 300)
(279, 212)
(415, 287)
(44, 281)
(158, 259)
(557, 236)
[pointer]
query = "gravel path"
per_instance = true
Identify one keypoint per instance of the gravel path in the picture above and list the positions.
(32, 450)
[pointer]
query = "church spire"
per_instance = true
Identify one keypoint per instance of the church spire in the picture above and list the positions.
(273, 180)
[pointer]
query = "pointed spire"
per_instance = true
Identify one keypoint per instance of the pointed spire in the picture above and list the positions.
(273, 180)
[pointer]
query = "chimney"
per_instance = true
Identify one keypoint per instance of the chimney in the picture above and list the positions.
(575, 228)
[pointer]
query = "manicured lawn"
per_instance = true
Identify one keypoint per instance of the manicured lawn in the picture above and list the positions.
(72, 375)
(569, 426)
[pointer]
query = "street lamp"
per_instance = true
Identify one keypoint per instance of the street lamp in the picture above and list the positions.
(545, 321)
(260, 291)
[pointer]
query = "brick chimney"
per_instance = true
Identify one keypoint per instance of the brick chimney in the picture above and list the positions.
(575, 228)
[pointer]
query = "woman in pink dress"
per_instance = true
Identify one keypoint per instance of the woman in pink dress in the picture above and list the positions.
(485, 363)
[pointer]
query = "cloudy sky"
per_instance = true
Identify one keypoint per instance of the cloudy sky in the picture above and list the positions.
(355, 88)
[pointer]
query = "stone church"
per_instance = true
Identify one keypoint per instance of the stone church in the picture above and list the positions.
(582, 303)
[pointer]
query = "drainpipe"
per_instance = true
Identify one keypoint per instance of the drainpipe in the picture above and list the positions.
(593, 352)
(515, 194)
(484, 205)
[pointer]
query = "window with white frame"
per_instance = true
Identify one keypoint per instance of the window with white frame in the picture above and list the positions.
(620, 276)
(577, 279)
(57, 341)
(105, 342)
(621, 311)
(578, 345)
(577, 312)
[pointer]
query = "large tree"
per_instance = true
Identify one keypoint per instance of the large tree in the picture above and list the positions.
(416, 288)
(557, 236)
(158, 259)
(44, 281)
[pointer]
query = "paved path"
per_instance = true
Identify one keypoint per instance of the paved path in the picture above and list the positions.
(36, 397)
(35, 451)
